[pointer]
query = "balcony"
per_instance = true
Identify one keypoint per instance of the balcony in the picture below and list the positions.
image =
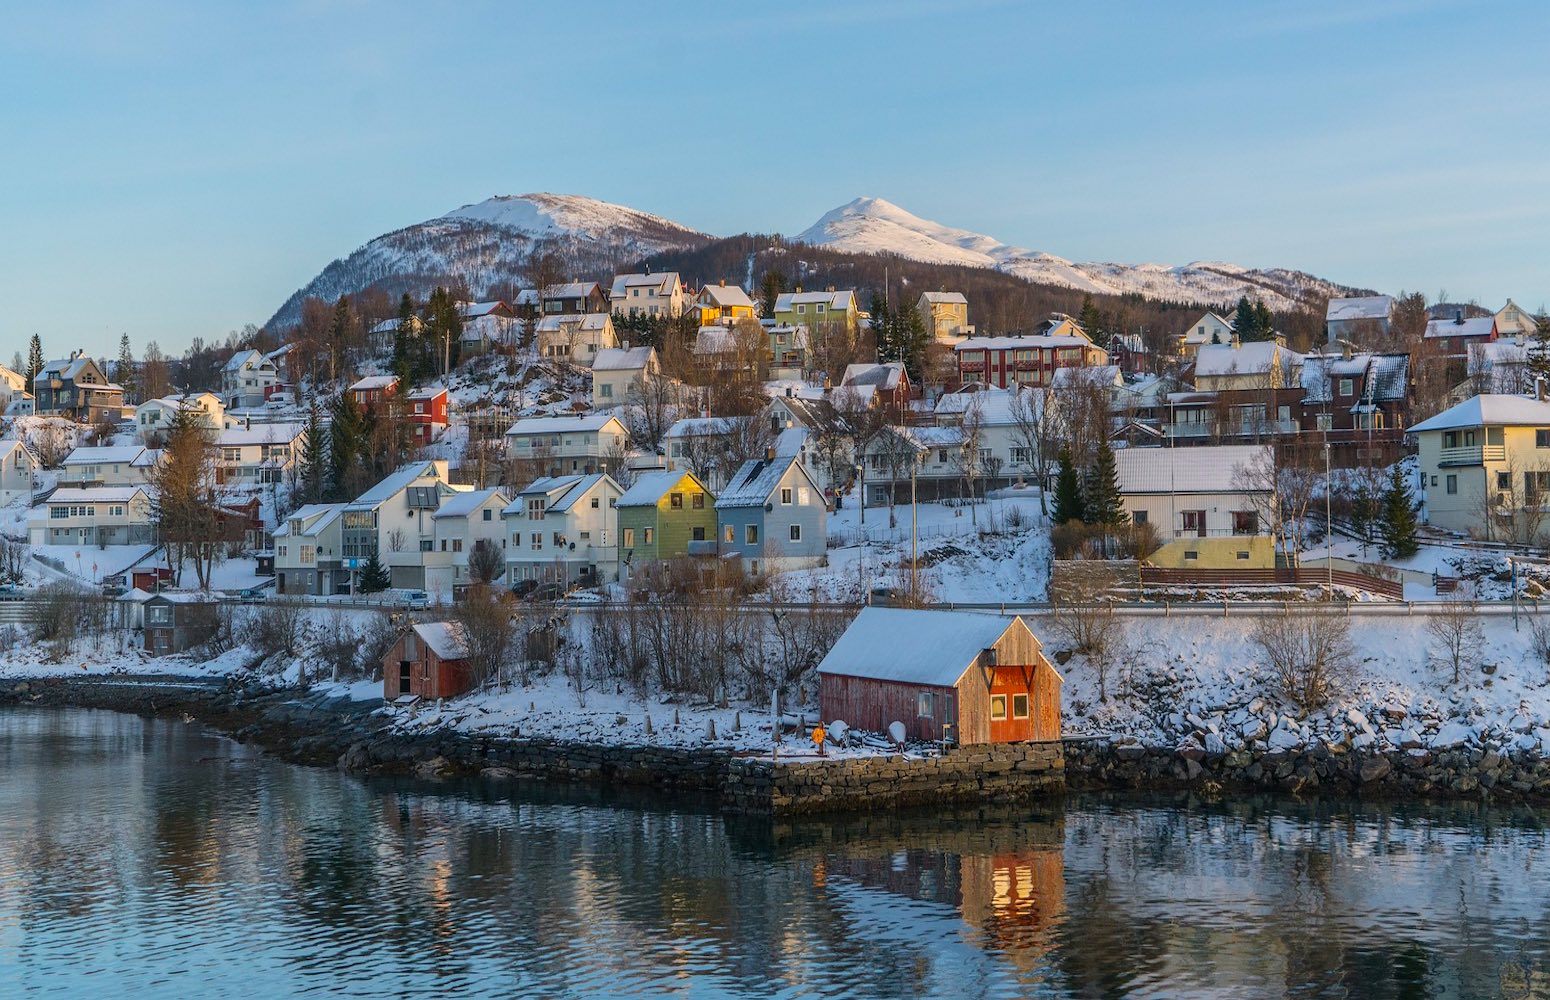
(1472, 454)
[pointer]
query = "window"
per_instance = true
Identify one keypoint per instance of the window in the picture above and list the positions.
(647, 535)
(1245, 522)
(559, 540)
(941, 455)
(1504, 480)
(1193, 522)
(925, 705)
(443, 545)
(1190, 555)
(160, 614)
(751, 534)
(606, 390)
(997, 707)
(1452, 485)
(785, 496)
(1346, 387)
(1450, 439)
(729, 534)
(457, 545)
(1019, 706)
(1542, 438)
(698, 533)
(1434, 480)
(1324, 421)
(594, 503)
(1535, 487)
(1242, 555)
(675, 501)
(535, 509)
(796, 532)
(487, 513)
(629, 538)
(698, 501)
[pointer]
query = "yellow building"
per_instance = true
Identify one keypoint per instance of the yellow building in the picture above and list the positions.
(1485, 468)
(1199, 500)
(945, 315)
(723, 304)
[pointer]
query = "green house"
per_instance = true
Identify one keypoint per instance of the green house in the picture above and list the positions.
(661, 514)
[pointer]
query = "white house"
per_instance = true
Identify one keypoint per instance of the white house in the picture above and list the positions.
(575, 337)
(392, 520)
(462, 521)
(561, 530)
(659, 294)
(486, 325)
(1512, 320)
(307, 551)
(94, 516)
(13, 386)
(154, 417)
(107, 465)
(1204, 502)
(593, 442)
(1485, 468)
(258, 455)
(1208, 329)
(247, 379)
(18, 472)
(618, 373)
(935, 454)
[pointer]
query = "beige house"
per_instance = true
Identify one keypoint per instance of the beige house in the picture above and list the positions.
(1512, 320)
(593, 442)
(154, 417)
(1208, 329)
(618, 373)
(1485, 468)
(945, 315)
(660, 294)
(575, 337)
(1196, 498)
(1260, 364)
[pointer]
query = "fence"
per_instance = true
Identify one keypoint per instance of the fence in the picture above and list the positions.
(1302, 577)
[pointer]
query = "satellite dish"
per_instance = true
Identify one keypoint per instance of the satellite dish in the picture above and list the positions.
(896, 731)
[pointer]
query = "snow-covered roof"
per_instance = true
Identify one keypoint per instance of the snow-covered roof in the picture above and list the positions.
(585, 422)
(698, 426)
(571, 290)
(473, 310)
(374, 382)
(560, 492)
(392, 484)
(147, 458)
(64, 368)
(1012, 342)
(663, 282)
(945, 298)
(727, 296)
(844, 300)
(754, 481)
(581, 321)
(1255, 357)
(913, 647)
(236, 437)
(314, 517)
(1207, 469)
(1375, 307)
(244, 359)
(1489, 410)
(465, 503)
(650, 487)
(184, 597)
(427, 392)
(622, 359)
(123, 454)
(1472, 326)
(887, 375)
(1083, 375)
(95, 494)
(446, 639)
(714, 340)
(1212, 323)
(1388, 375)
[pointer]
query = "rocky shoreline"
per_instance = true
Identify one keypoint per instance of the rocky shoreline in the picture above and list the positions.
(334, 732)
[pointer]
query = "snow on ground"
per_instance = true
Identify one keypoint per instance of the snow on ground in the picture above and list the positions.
(90, 563)
(114, 653)
(1199, 679)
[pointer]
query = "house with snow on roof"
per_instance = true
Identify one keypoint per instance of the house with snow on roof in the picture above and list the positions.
(1359, 403)
(1458, 333)
(898, 457)
(585, 443)
(262, 455)
(619, 374)
(383, 335)
(945, 675)
(773, 515)
(430, 661)
(463, 521)
(1030, 359)
(394, 518)
(427, 410)
(75, 387)
(573, 297)
(108, 465)
(486, 326)
(1512, 320)
(18, 472)
(722, 304)
(154, 417)
(653, 294)
(308, 551)
(1204, 502)
(1258, 364)
(248, 379)
(560, 529)
(1485, 468)
(575, 337)
(372, 391)
(823, 311)
(1359, 318)
(13, 386)
(93, 515)
(177, 621)
(945, 316)
(665, 514)
(1208, 329)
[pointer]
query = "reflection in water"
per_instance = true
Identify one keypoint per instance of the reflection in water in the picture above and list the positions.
(148, 859)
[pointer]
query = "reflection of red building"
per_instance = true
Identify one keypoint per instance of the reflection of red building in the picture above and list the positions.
(427, 413)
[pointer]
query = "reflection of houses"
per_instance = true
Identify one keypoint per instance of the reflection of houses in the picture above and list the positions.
(1204, 503)
(944, 674)
(428, 661)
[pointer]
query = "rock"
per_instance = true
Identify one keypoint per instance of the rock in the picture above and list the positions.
(1256, 706)
(1254, 729)
(355, 759)
(1191, 751)
(1214, 745)
(1363, 741)
(1374, 769)
(1358, 721)
(1130, 752)
(1192, 769)
(1284, 739)
(435, 767)
(1393, 714)
(1452, 734)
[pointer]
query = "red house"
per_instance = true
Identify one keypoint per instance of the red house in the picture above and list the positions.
(428, 661)
(954, 675)
(371, 391)
(1005, 362)
(427, 413)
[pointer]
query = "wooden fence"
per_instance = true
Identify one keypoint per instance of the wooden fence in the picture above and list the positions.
(1304, 577)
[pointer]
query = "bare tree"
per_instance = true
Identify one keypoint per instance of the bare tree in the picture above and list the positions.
(189, 521)
(1454, 626)
(1309, 654)
(1083, 615)
(484, 618)
(1281, 483)
(1031, 436)
(486, 562)
(967, 458)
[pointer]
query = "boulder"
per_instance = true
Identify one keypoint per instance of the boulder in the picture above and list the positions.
(1374, 769)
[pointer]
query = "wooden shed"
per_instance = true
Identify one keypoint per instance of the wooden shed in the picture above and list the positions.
(967, 677)
(176, 622)
(428, 661)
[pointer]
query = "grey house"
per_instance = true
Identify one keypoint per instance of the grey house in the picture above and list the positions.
(773, 515)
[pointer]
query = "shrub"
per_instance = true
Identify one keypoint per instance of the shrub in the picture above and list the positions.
(1309, 653)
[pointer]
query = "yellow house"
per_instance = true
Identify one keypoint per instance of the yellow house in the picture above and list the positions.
(723, 304)
(945, 315)
(1205, 513)
(1485, 468)
(1260, 364)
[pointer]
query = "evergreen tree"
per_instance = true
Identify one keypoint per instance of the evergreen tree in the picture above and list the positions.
(125, 372)
(1539, 352)
(34, 358)
(1264, 321)
(374, 576)
(908, 341)
(443, 330)
(882, 327)
(346, 444)
(1102, 501)
(774, 284)
(1399, 518)
(1088, 318)
(1363, 511)
(314, 459)
(1068, 490)
(1245, 322)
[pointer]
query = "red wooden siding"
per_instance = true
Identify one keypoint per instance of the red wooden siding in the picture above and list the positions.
(873, 705)
(428, 675)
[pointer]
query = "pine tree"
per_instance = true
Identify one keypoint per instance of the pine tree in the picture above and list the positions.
(1245, 323)
(125, 372)
(1539, 353)
(34, 358)
(346, 445)
(774, 284)
(1068, 490)
(1088, 318)
(374, 576)
(882, 327)
(314, 458)
(909, 342)
(1399, 518)
(1264, 321)
(1103, 504)
(1362, 511)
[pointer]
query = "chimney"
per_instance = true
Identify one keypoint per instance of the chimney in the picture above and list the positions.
(790, 392)
(769, 454)
(799, 290)
(829, 289)
(723, 282)
(1458, 317)
(1236, 343)
(1345, 350)
(1539, 388)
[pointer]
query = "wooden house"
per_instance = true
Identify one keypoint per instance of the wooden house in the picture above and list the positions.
(428, 661)
(177, 622)
(969, 678)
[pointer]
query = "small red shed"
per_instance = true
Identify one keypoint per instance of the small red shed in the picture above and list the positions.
(428, 661)
(967, 677)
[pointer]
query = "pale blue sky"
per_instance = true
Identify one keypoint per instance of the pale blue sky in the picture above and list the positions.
(173, 170)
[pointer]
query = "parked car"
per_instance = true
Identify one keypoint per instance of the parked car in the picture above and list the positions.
(549, 592)
(522, 588)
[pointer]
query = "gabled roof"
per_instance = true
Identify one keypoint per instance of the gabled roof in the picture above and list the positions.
(582, 321)
(697, 426)
(427, 392)
(446, 639)
(571, 290)
(662, 282)
(1207, 469)
(244, 359)
(1030, 341)
(909, 646)
(105, 455)
(584, 422)
(1386, 376)
(1374, 307)
(945, 298)
(887, 375)
(1489, 410)
(560, 492)
(1257, 357)
(727, 296)
(620, 359)
(95, 494)
(236, 437)
(650, 487)
(374, 382)
(714, 340)
(465, 503)
(842, 300)
(314, 517)
(65, 368)
(754, 481)
(1084, 375)
(473, 310)
(392, 484)
(1473, 326)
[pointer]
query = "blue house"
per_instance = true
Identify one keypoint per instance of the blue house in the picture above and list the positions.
(773, 515)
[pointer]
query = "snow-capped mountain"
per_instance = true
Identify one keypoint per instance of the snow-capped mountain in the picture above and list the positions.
(875, 226)
(489, 241)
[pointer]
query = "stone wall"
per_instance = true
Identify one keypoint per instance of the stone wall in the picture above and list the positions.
(997, 773)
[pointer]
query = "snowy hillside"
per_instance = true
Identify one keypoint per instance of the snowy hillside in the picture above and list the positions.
(875, 226)
(489, 242)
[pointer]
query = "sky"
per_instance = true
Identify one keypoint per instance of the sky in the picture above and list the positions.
(176, 170)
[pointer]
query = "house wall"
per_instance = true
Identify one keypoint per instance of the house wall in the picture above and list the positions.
(429, 676)
(1478, 460)
(1021, 669)
(622, 385)
(873, 705)
(1237, 552)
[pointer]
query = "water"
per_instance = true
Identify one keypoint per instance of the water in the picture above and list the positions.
(151, 859)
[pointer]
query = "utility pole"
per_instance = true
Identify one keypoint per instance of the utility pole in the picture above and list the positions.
(1329, 530)
(914, 567)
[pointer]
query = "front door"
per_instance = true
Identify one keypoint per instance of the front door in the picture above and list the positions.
(403, 676)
